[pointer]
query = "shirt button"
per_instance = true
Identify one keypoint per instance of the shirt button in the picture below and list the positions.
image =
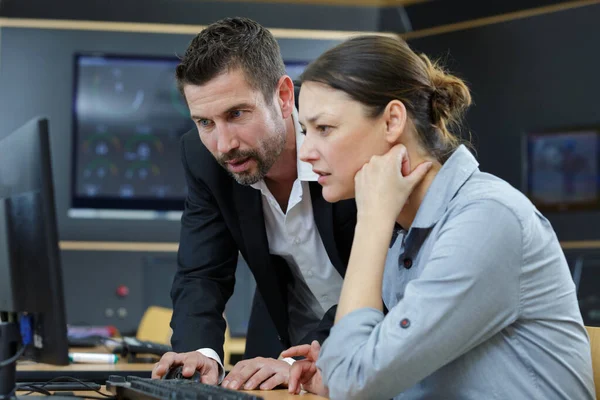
(296, 241)
(405, 323)
(407, 263)
(309, 274)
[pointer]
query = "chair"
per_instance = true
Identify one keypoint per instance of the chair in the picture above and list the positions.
(594, 333)
(154, 326)
(232, 346)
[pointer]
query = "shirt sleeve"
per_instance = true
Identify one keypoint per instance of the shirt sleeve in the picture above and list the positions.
(467, 292)
(210, 353)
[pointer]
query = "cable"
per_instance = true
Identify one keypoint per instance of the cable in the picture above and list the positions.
(34, 388)
(13, 359)
(70, 379)
(25, 322)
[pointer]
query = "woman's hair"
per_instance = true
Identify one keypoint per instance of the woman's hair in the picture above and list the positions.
(375, 70)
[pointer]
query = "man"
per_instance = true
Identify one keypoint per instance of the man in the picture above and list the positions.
(248, 193)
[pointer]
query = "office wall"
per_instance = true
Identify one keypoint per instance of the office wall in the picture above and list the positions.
(36, 77)
(531, 73)
(199, 12)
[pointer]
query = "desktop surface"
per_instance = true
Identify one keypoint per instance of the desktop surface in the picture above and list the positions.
(98, 373)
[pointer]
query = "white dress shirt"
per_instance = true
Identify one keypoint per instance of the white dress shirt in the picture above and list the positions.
(294, 236)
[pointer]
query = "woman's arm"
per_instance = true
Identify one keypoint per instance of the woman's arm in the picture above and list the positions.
(362, 283)
(468, 291)
(382, 188)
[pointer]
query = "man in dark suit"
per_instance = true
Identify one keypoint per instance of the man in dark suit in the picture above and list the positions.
(249, 194)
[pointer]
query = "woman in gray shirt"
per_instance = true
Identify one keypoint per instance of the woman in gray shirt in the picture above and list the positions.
(481, 302)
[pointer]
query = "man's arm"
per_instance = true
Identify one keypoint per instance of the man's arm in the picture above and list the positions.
(205, 277)
(321, 332)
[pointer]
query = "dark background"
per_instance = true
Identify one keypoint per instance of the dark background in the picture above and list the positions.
(539, 72)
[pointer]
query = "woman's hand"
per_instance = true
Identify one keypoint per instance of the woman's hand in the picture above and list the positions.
(384, 184)
(304, 373)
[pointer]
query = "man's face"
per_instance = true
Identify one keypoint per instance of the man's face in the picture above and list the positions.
(244, 133)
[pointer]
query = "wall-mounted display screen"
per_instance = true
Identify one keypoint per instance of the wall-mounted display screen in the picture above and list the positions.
(562, 169)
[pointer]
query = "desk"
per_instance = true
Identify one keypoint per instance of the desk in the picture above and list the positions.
(123, 367)
(119, 367)
(280, 394)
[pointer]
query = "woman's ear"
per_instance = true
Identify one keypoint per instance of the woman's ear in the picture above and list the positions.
(395, 120)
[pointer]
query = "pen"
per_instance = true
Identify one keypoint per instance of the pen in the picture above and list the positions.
(96, 358)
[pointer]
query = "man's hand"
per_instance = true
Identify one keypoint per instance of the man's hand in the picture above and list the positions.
(304, 374)
(192, 361)
(266, 372)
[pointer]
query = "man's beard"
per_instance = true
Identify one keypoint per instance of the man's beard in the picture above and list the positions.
(265, 157)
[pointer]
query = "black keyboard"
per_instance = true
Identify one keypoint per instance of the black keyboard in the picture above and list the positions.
(135, 388)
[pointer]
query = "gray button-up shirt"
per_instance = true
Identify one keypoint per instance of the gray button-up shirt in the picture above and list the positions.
(482, 305)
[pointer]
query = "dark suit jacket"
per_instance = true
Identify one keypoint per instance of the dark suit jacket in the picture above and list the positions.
(222, 217)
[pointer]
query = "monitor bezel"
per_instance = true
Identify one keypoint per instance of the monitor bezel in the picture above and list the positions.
(526, 171)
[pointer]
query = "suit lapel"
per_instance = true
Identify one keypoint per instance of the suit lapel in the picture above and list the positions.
(323, 214)
(248, 203)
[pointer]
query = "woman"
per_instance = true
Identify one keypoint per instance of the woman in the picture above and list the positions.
(481, 302)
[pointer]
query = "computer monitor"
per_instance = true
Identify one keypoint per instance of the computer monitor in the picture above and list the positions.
(128, 118)
(562, 169)
(31, 288)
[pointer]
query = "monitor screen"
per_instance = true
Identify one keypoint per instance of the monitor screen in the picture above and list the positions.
(128, 118)
(563, 169)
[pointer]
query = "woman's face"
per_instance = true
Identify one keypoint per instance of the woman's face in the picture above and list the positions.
(340, 138)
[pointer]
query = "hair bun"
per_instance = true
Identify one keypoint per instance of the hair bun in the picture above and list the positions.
(450, 97)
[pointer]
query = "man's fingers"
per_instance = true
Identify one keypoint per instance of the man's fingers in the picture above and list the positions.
(259, 377)
(191, 363)
(296, 351)
(210, 376)
(162, 366)
(235, 371)
(235, 380)
(158, 371)
(274, 381)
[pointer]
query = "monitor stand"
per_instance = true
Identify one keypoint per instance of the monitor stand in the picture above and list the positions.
(10, 337)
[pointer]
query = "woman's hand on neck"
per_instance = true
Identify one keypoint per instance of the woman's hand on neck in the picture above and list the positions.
(409, 212)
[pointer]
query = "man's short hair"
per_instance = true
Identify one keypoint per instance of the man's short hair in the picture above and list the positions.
(229, 44)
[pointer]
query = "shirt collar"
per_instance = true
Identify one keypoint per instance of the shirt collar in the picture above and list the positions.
(305, 172)
(448, 181)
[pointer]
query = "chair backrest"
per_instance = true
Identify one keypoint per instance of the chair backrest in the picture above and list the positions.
(155, 325)
(594, 333)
